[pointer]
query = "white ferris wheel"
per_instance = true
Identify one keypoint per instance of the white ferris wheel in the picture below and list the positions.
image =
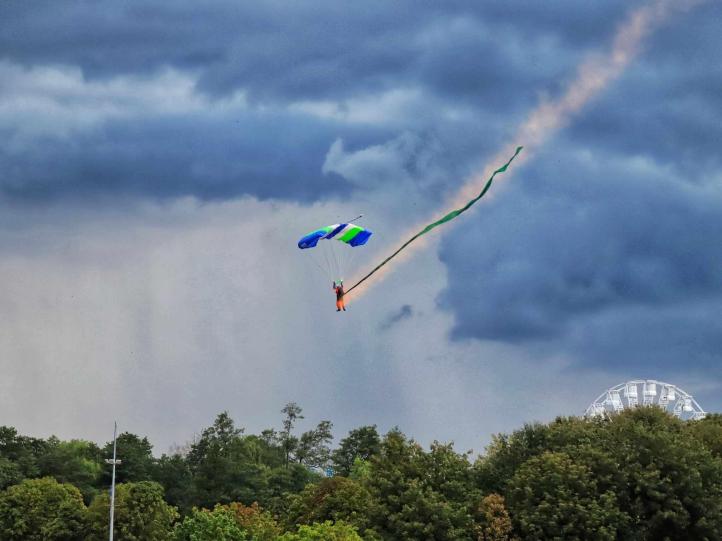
(646, 392)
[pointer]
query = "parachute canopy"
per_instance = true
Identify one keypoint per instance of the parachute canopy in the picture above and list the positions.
(351, 234)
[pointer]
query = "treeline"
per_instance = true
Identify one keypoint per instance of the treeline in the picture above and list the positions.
(639, 475)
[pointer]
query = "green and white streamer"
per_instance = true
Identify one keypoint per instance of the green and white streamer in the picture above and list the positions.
(450, 216)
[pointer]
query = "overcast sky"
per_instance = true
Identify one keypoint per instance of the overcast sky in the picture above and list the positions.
(159, 162)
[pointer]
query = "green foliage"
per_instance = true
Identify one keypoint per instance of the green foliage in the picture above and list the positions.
(264, 450)
(361, 470)
(21, 451)
(708, 431)
(507, 453)
(640, 475)
(328, 531)
(222, 466)
(41, 509)
(136, 454)
(650, 477)
(141, 513)
(283, 482)
(420, 495)
(174, 474)
(10, 473)
(228, 523)
(75, 461)
(551, 496)
(360, 444)
(334, 499)
(673, 485)
(221, 438)
(313, 447)
(204, 525)
(289, 442)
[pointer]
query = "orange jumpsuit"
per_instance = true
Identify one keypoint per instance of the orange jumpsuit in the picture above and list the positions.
(339, 297)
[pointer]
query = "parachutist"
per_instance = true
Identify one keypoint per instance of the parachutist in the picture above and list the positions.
(335, 254)
(339, 296)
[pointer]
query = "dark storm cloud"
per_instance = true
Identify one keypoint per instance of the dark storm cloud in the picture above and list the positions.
(656, 340)
(579, 236)
(288, 51)
(262, 155)
(667, 106)
(589, 235)
(606, 247)
(491, 61)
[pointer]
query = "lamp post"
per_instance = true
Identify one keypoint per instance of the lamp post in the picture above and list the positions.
(114, 462)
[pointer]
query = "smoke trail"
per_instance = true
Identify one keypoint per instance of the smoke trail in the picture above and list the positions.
(593, 76)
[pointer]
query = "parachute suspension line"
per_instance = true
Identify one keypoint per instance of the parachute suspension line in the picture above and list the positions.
(349, 259)
(317, 259)
(344, 256)
(450, 216)
(336, 260)
(329, 266)
(315, 262)
(343, 236)
(329, 250)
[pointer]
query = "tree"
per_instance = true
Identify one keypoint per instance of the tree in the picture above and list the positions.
(76, 462)
(662, 473)
(313, 447)
(420, 496)
(281, 482)
(258, 524)
(136, 454)
(22, 451)
(328, 531)
(672, 485)
(551, 497)
(493, 522)
(260, 452)
(10, 473)
(205, 525)
(335, 499)
(223, 465)
(174, 474)
(141, 513)
(708, 432)
(41, 509)
(289, 443)
(221, 437)
(361, 443)
(507, 453)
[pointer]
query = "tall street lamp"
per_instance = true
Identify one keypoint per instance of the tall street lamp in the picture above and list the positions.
(114, 462)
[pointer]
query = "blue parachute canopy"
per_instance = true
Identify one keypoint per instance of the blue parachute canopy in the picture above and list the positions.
(351, 234)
